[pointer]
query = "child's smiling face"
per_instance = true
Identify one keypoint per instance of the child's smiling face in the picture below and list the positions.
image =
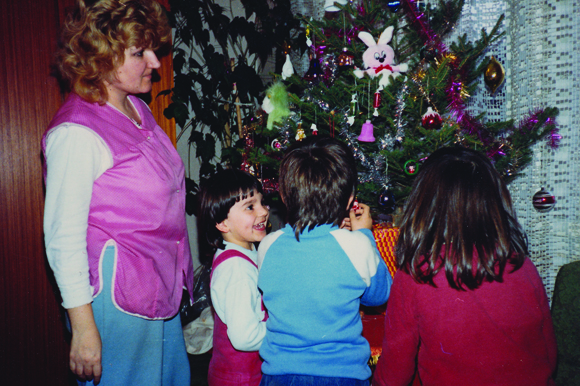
(246, 221)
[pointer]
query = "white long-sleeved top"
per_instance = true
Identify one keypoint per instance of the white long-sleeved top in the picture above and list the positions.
(75, 157)
(237, 301)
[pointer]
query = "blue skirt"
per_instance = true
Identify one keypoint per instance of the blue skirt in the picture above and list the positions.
(137, 351)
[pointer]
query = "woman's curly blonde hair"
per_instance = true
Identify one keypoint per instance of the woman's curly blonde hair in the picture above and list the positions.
(96, 35)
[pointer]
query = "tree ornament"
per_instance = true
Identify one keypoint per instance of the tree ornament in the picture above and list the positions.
(379, 58)
(543, 201)
(494, 74)
(353, 103)
(430, 52)
(366, 133)
(421, 5)
(331, 123)
(394, 5)
(346, 58)
(286, 48)
(411, 167)
(330, 7)
(275, 104)
(377, 103)
(300, 135)
(387, 201)
(329, 69)
(314, 129)
(287, 69)
(314, 74)
(431, 120)
(276, 144)
(248, 145)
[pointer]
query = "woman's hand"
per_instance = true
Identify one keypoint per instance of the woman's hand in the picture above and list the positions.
(360, 218)
(85, 351)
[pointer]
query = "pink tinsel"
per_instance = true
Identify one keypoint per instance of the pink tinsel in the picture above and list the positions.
(528, 124)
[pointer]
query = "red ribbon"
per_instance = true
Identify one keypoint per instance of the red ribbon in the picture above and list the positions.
(383, 67)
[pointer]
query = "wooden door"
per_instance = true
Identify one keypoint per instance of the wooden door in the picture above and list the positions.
(33, 341)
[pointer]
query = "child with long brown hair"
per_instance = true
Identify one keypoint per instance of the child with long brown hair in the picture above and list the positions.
(467, 305)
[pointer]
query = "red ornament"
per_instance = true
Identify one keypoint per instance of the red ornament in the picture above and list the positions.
(377, 100)
(411, 167)
(377, 103)
(431, 120)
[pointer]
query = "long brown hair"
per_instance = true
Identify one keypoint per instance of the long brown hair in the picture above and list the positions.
(459, 218)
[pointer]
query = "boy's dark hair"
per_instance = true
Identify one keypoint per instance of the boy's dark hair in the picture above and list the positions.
(218, 195)
(460, 205)
(317, 178)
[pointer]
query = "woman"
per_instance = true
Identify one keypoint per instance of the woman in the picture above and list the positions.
(115, 228)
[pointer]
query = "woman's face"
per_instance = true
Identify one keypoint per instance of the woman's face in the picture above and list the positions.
(134, 76)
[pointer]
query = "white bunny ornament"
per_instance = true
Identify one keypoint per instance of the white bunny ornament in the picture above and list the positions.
(378, 58)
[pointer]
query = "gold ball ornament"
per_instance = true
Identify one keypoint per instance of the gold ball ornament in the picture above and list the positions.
(494, 74)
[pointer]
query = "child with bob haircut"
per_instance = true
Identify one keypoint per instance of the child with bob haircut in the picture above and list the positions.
(467, 305)
(233, 217)
(314, 275)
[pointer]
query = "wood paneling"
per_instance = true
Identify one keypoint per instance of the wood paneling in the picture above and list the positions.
(159, 103)
(32, 342)
(33, 346)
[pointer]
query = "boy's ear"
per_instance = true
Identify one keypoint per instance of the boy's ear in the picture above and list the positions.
(350, 200)
(222, 227)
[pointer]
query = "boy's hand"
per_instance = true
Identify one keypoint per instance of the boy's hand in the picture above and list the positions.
(346, 224)
(360, 218)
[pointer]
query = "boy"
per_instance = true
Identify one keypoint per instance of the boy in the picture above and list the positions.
(232, 218)
(314, 276)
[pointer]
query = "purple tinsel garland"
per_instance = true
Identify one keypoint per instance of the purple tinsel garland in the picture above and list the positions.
(456, 106)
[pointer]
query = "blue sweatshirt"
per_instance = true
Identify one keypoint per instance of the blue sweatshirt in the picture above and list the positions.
(312, 290)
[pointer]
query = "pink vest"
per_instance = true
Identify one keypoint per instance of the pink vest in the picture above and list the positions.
(229, 366)
(139, 206)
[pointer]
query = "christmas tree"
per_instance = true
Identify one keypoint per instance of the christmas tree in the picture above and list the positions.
(384, 79)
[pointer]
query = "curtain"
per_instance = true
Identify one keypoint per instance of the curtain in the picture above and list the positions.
(540, 54)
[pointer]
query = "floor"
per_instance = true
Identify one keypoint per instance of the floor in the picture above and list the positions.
(199, 365)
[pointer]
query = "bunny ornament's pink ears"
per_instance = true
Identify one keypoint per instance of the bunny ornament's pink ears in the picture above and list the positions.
(385, 37)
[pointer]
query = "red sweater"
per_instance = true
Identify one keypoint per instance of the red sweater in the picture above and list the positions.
(498, 334)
